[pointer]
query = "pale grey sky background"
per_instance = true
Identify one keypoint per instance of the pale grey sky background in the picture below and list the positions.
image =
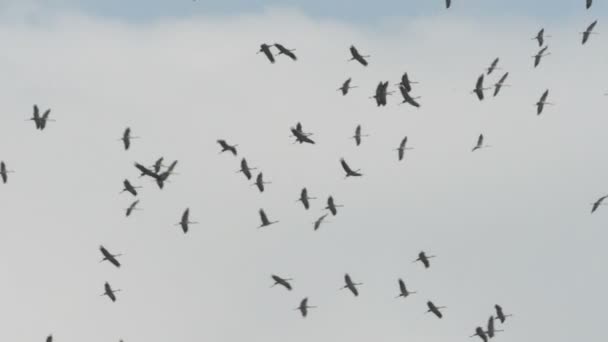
(509, 224)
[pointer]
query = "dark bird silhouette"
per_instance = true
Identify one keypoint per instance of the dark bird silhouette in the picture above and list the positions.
(126, 138)
(304, 198)
(479, 88)
(357, 56)
(588, 32)
(358, 135)
(265, 48)
(381, 93)
(300, 135)
(448, 3)
(259, 182)
(540, 55)
(540, 37)
(424, 259)
(402, 148)
(129, 187)
(500, 84)
(163, 177)
(482, 334)
(588, 3)
(158, 164)
(540, 105)
(491, 330)
(245, 169)
(407, 98)
(49, 338)
(319, 221)
(36, 117)
(226, 147)
(346, 87)
(500, 313)
(303, 308)
(435, 309)
(40, 120)
(4, 172)
(281, 281)
(348, 170)
(406, 83)
(479, 143)
(185, 221)
(44, 119)
(493, 66)
(145, 171)
(598, 203)
(331, 206)
(109, 256)
(265, 221)
(403, 291)
(349, 284)
(132, 208)
(109, 292)
(285, 51)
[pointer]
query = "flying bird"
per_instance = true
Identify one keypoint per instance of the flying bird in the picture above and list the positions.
(479, 143)
(357, 56)
(331, 206)
(145, 171)
(158, 164)
(435, 309)
(163, 177)
(349, 284)
(265, 48)
(4, 172)
(245, 169)
(108, 291)
(403, 291)
(402, 148)
(500, 313)
(500, 83)
(407, 98)
(185, 221)
(491, 330)
(300, 135)
(285, 51)
(588, 32)
(540, 55)
(129, 187)
(126, 138)
(406, 83)
(493, 66)
(424, 259)
(540, 37)
(132, 208)
(597, 203)
(481, 333)
(348, 170)
(259, 182)
(358, 135)
(589, 3)
(346, 87)
(381, 93)
(109, 256)
(317, 223)
(281, 281)
(40, 120)
(448, 3)
(304, 198)
(265, 221)
(479, 88)
(303, 308)
(49, 338)
(226, 147)
(542, 102)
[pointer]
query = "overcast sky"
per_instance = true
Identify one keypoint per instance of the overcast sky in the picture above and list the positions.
(509, 224)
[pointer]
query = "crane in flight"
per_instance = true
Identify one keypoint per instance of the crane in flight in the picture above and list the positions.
(588, 3)
(539, 55)
(319, 221)
(435, 309)
(481, 333)
(128, 187)
(303, 308)
(265, 48)
(259, 182)
(500, 314)
(185, 221)
(402, 148)
(597, 203)
(407, 98)
(356, 56)
(491, 330)
(126, 138)
(332, 206)
(493, 66)
(346, 87)
(406, 83)
(226, 147)
(281, 281)
(108, 291)
(358, 135)
(300, 135)
(479, 144)
(448, 3)
(265, 221)
(285, 51)
(540, 37)
(540, 105)
(4, 172)
(49, 338)
(109, 256)
(305, 199)
(349, 171)
(381, 93)
(132, 208)
(479, 88)
(587, 33)
(40, 120)
(245, 169)
(403, 291)
(424, 259)
(501, 83)
(351, 285)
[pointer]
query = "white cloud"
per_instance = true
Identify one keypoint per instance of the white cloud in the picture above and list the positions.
(509, 224)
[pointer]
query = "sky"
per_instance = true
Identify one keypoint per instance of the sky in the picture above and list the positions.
(509, 224)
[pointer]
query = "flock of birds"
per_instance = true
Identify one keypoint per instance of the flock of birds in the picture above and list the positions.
(160, 173)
